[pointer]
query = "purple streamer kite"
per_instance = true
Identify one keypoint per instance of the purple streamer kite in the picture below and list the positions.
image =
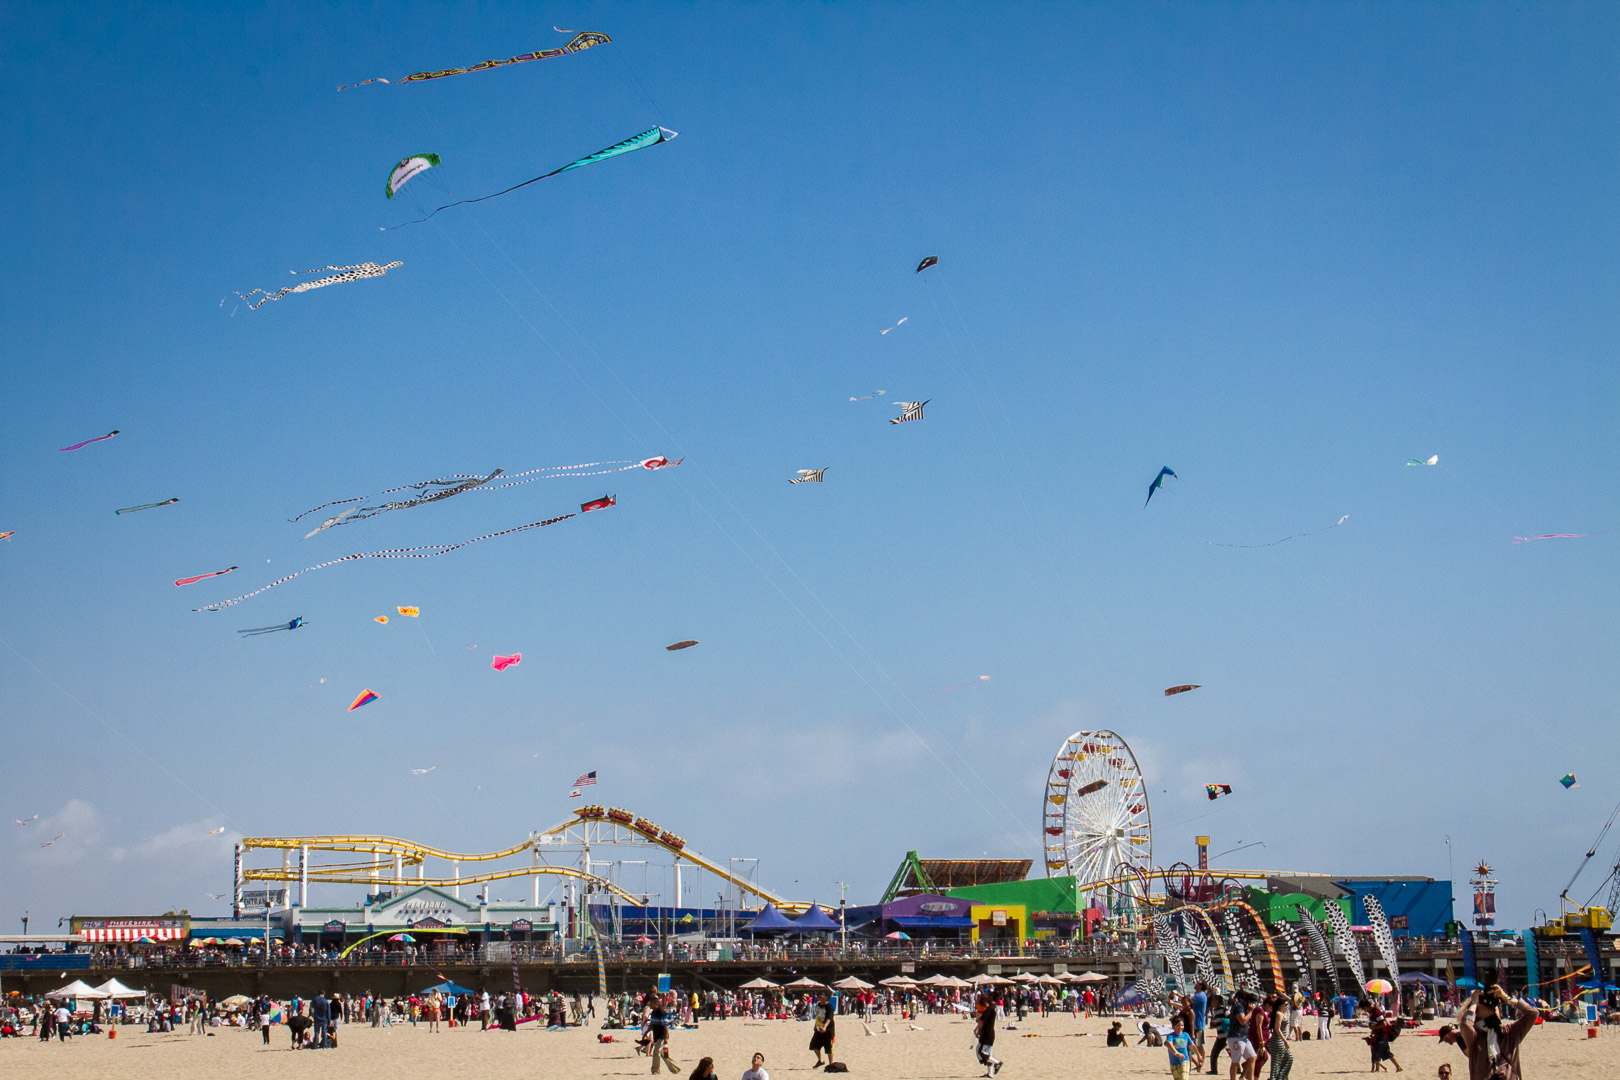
(87, 442)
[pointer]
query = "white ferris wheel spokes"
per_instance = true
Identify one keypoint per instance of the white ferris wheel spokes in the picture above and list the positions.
(1094, 811)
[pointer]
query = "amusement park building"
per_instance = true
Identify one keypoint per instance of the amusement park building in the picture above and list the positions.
(1416, 906)
(424, 907)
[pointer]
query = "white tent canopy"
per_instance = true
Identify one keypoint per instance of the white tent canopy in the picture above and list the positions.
(112, 988)
(760, 984)
(76, 989)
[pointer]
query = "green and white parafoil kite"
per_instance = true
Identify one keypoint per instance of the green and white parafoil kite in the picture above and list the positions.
(409, 168)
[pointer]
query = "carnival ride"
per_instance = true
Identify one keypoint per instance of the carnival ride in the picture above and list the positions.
(1095, 820)
(562, 851)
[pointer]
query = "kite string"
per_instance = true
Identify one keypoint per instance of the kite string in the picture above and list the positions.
(927, 745)
(1058, 574)
(133, 745)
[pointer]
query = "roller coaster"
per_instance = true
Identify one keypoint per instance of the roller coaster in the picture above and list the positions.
(391, 861)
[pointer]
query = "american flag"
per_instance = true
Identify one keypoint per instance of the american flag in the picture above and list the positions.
(585, 779)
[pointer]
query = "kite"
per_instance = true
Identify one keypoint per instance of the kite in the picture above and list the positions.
(407, 170)
(53, 839)
(1215, 791)
(1432, 461)
(216, 832)
(199, 577)
(501, 663)
(409, 612)
(215, 895)
(1569, 781)
(810, 476)
(366, 698)
(964, 686)
(255, 631)
(909, 411)
(7, 535)
(587, 40)
(146, 506)
(445, 487)
(679, 645)
(87, 442)
(1182, 689)
(869, 397)
(381, 619)
(24, 821)
(423, 772)
(1284, 540)
(599, 504)
(896, 326)
(1158, 482)
(931, 260)
(357, 272)
(650, 137)
(1516, 539)
(425, 551)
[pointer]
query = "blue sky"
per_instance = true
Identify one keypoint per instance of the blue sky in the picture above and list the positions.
(1280, 250)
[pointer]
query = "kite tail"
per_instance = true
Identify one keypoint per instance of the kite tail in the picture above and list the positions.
(427, 551)
(268, 296)
(362, 82)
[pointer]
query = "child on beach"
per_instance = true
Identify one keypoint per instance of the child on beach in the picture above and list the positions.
(1179, 1044)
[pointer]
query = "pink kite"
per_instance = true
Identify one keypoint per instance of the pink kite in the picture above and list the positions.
(501, 663)
(199, 577)
(87, 442)
(1548, 536)
(366, 698)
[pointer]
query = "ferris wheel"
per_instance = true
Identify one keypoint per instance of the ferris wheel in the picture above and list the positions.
(1094, 812)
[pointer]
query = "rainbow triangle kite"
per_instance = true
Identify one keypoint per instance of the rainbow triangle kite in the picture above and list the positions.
(366, 698)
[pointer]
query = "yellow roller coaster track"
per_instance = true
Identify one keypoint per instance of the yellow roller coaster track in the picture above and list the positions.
(412, 854)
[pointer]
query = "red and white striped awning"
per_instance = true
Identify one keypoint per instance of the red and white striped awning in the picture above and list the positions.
(135, 933)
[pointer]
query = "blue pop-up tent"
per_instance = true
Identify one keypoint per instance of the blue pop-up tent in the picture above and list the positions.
(814, 919)
(769, 921)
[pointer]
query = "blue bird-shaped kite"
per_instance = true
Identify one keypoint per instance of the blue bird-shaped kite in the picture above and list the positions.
(1158, 482)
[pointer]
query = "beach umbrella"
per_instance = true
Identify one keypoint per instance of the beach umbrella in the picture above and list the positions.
(643, 940)
(1050, 980)
(237, 1000)
(196, 943)
(960, 984)
(1379, 986)
(1025, 977)
(936, 980)
(403, 937)
(852, 983)
(804, 982)
(898, 935)
(900, 981)
(760, 984)
(233, 942)
(1089, 977)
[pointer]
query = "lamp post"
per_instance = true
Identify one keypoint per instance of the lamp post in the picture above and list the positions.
(843, 926)
(25, 923)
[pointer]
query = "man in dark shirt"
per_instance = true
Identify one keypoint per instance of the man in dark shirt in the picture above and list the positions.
(320, 1011)
(985, 1029)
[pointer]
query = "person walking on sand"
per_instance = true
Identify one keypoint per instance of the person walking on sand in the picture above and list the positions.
(985, 1033)
(658, 1028)
(1180, 1046)
(1282, 1058)
(825, 1034)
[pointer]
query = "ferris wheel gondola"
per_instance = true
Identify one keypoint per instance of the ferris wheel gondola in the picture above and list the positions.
(1094, 813)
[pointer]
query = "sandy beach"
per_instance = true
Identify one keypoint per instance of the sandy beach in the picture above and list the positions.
(1064, 1048)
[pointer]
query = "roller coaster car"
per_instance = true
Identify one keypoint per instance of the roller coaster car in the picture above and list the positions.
(620, 815)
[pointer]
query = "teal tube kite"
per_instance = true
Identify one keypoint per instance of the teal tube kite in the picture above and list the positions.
(648, 138)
